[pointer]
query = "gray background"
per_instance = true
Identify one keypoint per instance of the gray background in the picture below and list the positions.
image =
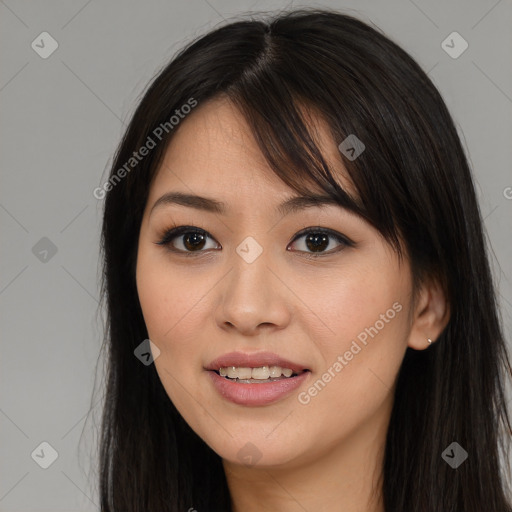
(61, 120)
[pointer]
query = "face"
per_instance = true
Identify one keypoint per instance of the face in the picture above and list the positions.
(317, 287)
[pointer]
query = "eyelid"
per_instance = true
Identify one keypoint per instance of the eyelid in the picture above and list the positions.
(318, 229)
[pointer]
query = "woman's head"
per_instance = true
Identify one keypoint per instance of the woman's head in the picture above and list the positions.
(255, 284)
(253, 115)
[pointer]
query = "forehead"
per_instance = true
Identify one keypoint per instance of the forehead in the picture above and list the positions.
(214, 153)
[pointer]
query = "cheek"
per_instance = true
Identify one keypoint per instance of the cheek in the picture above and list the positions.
(356, 302)
(366, 313)
(170, 307)
(170, 297)
(176, 307)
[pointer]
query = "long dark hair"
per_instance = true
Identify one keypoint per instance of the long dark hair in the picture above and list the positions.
(414, 184)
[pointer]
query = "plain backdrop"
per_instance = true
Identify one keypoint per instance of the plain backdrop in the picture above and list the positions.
(61, 118)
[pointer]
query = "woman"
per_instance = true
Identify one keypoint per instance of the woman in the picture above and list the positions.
(291, 220)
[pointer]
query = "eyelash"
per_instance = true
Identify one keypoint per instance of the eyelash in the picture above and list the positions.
(170, 234)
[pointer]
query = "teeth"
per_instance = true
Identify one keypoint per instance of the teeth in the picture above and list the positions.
(244, 373)
(232, 373)
(275, 371)
(260, 373)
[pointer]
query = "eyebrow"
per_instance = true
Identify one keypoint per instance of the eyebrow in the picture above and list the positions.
(212, 205)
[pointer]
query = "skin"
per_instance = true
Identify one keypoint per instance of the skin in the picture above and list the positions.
(327, 454)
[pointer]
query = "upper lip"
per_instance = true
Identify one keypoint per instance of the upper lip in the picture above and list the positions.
(255, 360)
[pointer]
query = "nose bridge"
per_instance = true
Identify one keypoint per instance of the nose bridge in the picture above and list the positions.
(251, 293)
(251, 263)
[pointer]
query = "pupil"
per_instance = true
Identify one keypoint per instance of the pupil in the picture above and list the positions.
(194, 236)
(320, 241)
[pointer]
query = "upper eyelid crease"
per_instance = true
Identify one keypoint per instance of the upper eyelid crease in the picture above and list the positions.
(291, 205)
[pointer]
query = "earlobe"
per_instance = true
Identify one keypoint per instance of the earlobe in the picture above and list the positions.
(430, 317)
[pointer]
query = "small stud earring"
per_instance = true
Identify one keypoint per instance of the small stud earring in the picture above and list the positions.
(429, 341)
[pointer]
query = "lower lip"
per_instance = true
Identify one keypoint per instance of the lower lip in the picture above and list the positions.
(256, 394)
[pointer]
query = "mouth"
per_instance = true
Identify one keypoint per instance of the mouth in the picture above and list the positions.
(257, 379)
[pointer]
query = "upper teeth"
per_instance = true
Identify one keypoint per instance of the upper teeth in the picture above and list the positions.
(261, 373)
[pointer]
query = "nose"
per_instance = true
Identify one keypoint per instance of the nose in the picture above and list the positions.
(254, 298)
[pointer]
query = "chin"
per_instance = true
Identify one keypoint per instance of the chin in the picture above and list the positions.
(258, 452)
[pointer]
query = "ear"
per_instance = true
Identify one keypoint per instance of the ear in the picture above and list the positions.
(430, 316)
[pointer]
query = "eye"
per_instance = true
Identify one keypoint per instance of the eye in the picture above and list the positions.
(318, 239)
(191, 240)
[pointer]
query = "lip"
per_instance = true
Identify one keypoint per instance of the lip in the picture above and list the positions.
(255, 394)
